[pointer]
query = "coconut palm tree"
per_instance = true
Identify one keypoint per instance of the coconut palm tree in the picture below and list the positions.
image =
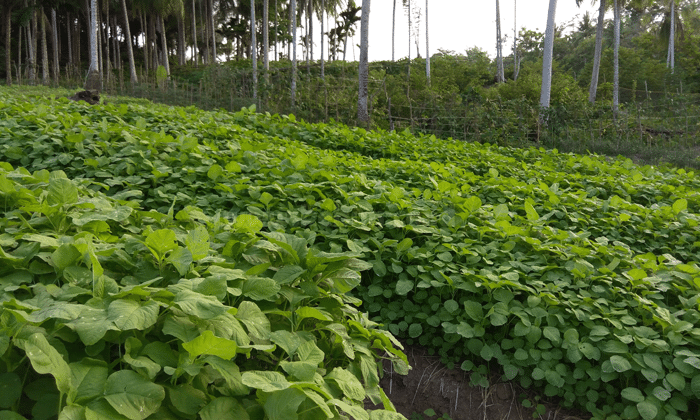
(427, 45)
(363, 98)
(94, 77)
(292, 14)
(500, 76)
(254, 49)
(548, 55)
(598, 51)
(129, 49)
(393, 31)
(616, 58)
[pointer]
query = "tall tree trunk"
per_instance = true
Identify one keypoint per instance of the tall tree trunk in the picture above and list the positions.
(515, 41)
(254, 50)
(69, 39)
(153, 41)
(94, 78)
(8, 38)
(670, 59)
(310, 33)
(195, 58)
(164, 44)
(393, 32)
(277, 57)
(44, 48)
(292, 23)
(293, 13)
(500, 77)
(548, 56)
(129, 49)
(427, 45)
(54, 38)
(593, 89)
(363, 96)
(104, 28)
(31, 49)
(616, 62)
(181, 39)
(266, 39)
(213, 32)
(323, 18)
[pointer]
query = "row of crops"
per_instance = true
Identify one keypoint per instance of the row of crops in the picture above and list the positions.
(570, 274)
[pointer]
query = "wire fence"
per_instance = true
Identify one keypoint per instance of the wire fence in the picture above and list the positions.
(650, 127)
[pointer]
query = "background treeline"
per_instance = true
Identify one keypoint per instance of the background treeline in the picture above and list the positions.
(203, 51)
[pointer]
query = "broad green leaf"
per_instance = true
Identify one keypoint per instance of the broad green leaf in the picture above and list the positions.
(614, 346)
(186, 398)
(64, 256)
(255, 321)
(266, 381)
(620, 364)
(283, 405)
(319, 401)
(288, 341)
(676, 380)
(632, 394)
(680, 205)
(260, 288)
(199, 305)
(415, 330)
(215, 171)
(344, 280)
(88, 379)
(531, 212)
(69, 412)
(207, 343)
(230, 373)
(10, 389)
(288, 274)
(62, 191)
(247, 223)
(161, 242)
(100, 409)
(128, 314)
(224, 408)
(348, 383)
(472, 204)
(647, 410)
(310, 312)
(303, 371)
(355, 412)
(132, 395)
(308, 351)
(385, 415)
(91, 325)
(695, 386)
(181, 258)
(197, 241)
(474, 310)
(46, 359)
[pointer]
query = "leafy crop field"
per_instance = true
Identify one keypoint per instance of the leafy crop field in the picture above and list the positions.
(171, 262)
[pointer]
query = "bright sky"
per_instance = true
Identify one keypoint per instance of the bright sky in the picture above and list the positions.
(458, 25)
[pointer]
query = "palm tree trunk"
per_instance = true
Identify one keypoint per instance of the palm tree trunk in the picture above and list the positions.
(548, 55)
(592, 91)
(616, 56)
(195, 58)
(266, 39)
(44, 48)
(254, 50)
(106, 62)
(31, 49)
(180, 39)
(54, 38)
(500, 77)
(427, 45)
(310, 33)
(323, 18)
(129, 49)
(515, 41)
(363, 98)
(213, 32)
(671, 38)
(94, 78)
(164, 44)
(8, 35)
(293, 13)
(393, 32)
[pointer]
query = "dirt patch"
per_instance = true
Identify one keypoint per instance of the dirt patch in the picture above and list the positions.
(431, 385)
(90, 96)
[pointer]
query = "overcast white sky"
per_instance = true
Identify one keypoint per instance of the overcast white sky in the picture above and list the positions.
(458, 25)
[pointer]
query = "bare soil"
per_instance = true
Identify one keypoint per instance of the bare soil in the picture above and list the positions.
(431, 385)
